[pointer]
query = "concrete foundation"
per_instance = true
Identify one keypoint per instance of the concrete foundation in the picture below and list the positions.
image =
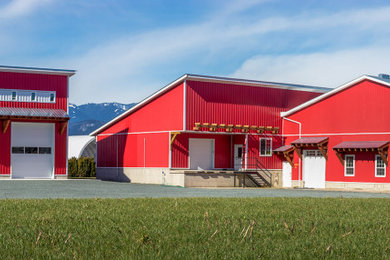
(358, 186)
(5, 177)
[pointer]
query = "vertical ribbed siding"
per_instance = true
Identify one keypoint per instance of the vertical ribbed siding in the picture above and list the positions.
(5, 151)
(60, 151)
(28, 81)
(234, 104)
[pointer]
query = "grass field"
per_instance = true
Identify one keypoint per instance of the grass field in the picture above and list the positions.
(196, 228)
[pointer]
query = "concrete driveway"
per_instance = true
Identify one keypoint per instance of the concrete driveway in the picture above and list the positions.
(11, 189)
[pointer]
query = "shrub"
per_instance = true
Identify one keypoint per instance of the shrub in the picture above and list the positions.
(82, 168)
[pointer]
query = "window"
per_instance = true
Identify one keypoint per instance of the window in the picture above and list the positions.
(349, 165)
(31, 150)
(265, 147)
(44, 150)
(380, 166)
(18, 150)
(27, 96)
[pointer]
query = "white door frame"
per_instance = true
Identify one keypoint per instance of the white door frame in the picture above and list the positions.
(212, 151)
(53, 144)
(236, 146)
(303, 166)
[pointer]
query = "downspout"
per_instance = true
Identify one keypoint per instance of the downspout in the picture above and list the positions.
(299, 135)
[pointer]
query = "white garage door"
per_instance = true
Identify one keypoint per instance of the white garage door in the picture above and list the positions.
(201, 154)
(314, 169)
(32, 151)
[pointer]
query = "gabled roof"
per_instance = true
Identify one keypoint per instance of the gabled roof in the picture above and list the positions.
(334, 91)
(37, 70)
(361, 144)
(215, 79)
(310, 140)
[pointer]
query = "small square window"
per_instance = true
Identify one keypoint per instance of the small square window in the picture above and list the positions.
(31, 150)
(52, 97)
(18, 150)
(44, 150)
(14, 95)
(33, 96)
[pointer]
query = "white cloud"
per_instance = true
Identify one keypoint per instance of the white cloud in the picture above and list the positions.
(123, 69)
(17, 8)
(329, 69)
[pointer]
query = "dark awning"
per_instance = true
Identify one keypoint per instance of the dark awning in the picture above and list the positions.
(310, 140)
(284, 148)
(32, 113)
(361, 145)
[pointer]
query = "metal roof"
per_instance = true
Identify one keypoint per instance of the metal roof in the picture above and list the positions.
(37, 70)
(216, 79)
(310, 140)
(283, 148)
(361, 144)
(33, 112)
(79, 143)
(334, 91)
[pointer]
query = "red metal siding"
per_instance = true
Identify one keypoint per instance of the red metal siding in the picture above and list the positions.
(236, 104)
(355, 114)
(29, 81)
(5, 151)
(265, 162)
(222, 159)
(61, 155)
(133, 150)
(165, 113)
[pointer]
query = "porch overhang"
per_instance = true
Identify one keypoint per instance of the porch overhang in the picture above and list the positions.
(380, 147)
(11, 113)
(287, 151)
(320, 143)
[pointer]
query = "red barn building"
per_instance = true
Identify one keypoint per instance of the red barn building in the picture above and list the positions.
(200, 131)
(340, 139)
(33, 119)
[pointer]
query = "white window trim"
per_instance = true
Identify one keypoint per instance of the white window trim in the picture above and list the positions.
(345, 165)
(37, 92)
(265, 155)
(376, 161)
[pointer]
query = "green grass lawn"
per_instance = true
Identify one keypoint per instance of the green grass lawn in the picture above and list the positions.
(195, 228)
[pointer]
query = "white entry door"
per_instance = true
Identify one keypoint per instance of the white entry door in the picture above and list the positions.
(238, 156)
(201, 153)
(32, 150)
(314, 169)
(286, 174)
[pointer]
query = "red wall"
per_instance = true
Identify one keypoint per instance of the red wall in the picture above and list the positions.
(165, 113)
(354, 114)
(236, 104)
(133, 150)
(29, 81)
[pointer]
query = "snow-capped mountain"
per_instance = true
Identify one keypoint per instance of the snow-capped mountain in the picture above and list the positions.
(86, 118)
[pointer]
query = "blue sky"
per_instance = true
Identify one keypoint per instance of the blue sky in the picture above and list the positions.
(126, 50)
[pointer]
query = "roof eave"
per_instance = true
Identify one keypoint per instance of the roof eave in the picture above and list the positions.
(37, 70)
(140, 104)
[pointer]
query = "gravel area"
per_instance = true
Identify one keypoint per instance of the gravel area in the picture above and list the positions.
(15, 189)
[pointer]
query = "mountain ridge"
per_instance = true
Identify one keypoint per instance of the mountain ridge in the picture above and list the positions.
(86, 118)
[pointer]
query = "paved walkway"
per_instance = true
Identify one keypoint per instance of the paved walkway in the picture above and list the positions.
(101, 189)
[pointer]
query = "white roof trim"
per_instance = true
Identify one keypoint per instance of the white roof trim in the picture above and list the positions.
(37, 70)
(140, 104)
(212, 79)
(332, 92)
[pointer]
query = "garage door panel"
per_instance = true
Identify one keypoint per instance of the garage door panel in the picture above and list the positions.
(314, 169)
(201, 153)
(32, 152)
